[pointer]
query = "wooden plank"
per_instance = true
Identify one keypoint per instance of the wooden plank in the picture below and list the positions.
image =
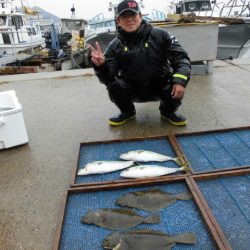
(74, 171)
(140, 183)
(121, 140)
(205, 216)
(179, 152)
(228, 20)
(222, 173)
(214, 228)
(10, 70)
(57, 237)
(136, 180)
(162, 136)
(212, 131)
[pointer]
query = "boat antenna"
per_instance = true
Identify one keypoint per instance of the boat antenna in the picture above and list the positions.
(73, 12)
(22, 6)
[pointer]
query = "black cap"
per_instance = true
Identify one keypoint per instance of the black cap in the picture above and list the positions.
(127, 5)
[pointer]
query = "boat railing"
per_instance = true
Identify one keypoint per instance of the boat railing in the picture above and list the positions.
(29, 32)
(105, 25)
(222, 9)
(217, 8)
(240, 8)
(14, 40)
(207, 10)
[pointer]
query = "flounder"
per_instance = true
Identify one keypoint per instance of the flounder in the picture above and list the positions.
(151, 200)
(117, 219)
(145, 240)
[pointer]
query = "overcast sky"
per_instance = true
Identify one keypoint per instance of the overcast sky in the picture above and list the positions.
(85, 9)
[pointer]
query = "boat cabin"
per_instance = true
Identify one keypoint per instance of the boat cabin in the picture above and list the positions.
(71, 25)
(193, 6)
(16, 32)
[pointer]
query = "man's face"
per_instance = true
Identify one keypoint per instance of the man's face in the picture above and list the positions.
(129, 21)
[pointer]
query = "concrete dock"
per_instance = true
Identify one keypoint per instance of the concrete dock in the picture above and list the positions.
(63, 109)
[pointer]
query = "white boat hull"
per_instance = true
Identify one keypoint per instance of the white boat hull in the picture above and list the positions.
(103, 38)
(8, 49)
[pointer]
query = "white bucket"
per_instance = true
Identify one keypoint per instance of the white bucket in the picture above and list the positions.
(12, 128)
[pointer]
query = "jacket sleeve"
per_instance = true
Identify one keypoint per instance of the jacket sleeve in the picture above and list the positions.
(109, 70)
(178, 59)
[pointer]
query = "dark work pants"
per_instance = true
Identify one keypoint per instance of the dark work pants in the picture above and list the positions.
(124, 94)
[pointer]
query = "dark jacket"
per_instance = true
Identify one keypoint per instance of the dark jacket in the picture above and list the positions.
(148, 54)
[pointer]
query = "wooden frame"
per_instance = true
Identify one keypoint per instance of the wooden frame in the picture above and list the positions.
(190, 178)
(213, 228)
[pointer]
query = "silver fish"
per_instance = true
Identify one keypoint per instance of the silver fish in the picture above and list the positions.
(146, 156)
(144, 239)
(147, 171)
(151, 200)
(117, 219)
(101, 167)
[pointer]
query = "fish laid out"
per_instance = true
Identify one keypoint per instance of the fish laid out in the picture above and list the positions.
(147, 171)
(101, 167)
(146, 156)
(151, 200)
(117, 219)
(145, 240)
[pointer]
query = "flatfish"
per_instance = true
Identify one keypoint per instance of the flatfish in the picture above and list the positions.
(149, 171)
(151, 200)
(145, 240)
(117, 219)
(146, 156)
(101, 167)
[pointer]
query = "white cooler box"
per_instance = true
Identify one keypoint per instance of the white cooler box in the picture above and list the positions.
(12, 127)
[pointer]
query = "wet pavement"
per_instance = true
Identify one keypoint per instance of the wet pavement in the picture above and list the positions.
(63, 109)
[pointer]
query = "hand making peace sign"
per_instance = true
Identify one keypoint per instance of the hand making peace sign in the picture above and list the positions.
(97, 56)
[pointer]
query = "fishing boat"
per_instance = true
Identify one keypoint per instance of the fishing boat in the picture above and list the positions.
(234, 23)
(16, 32)
(71, 40)
(73, 25)
(101, 29)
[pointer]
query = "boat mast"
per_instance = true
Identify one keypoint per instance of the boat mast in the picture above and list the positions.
(22, 6)
(73, 14)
